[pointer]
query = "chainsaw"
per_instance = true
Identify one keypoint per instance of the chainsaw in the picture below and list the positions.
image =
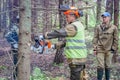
(41, 45)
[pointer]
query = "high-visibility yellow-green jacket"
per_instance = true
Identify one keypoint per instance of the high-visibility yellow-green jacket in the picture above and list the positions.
(75, 46)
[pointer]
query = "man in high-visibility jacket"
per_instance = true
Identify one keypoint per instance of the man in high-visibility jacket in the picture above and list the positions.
(75, 48)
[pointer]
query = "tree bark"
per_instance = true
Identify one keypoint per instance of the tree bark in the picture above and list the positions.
(15, 13)
(116, 12)
(0, 15)
(4, 15)
(98, 11)
(47, 19)
(59, 58)
(72, 2)
(10, 13)
(86, 17)
(109, 7)
(24, 40)
(116, 22)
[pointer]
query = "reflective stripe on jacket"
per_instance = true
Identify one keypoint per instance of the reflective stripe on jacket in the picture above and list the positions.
(75, 46)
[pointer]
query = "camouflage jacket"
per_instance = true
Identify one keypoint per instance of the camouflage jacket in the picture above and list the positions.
(105, 37)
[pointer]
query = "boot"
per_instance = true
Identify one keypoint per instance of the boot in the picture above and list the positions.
(107, 73)
(75, 71)
(99, 73)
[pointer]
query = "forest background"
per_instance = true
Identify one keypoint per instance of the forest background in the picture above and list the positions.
(39, 16)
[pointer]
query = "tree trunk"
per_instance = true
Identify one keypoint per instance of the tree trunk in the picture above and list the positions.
(116, 22)
(46, 16)
(109, 7)
(72, 2)
(24, 40)
(0, 15)
(15, 13)
(4, 15)
(86, 17)
(34, 25)
(34, 17)
(116, 12)
(10, 13)
(59, 58)
(98, 11)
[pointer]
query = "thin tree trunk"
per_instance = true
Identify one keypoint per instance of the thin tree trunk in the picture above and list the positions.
(24, 40)
(109, 7)
(0, 15)
(98, 11)
(46, 16)
(34, 28)
(4, 15)
(59, 58)
(10, 13)
(116, 12)
(116, 22)
(72, 2)
(15, 13)
(86, 18)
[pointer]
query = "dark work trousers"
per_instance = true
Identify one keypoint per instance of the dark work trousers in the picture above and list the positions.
(75, 71)
(15, 60)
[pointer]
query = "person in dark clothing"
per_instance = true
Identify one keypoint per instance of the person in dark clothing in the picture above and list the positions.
(12, 38)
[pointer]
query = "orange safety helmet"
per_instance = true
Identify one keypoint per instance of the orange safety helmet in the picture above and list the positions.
(72, 10)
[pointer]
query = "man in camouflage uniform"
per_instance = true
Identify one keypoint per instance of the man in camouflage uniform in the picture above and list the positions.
(12, 38)
(105, 43)
(75, 48)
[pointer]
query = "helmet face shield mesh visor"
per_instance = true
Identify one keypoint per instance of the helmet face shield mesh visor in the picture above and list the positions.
(67, 10)
(75, 12)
